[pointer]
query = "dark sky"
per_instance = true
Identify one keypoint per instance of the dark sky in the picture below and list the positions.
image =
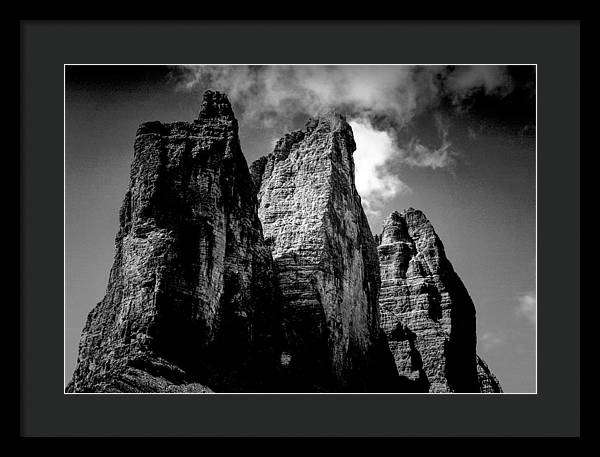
(456, 142)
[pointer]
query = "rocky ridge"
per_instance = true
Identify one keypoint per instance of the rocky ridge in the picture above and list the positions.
(227, 279)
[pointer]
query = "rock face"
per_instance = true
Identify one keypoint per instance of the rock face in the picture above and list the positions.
(426, 311)
(191, 300)
(488, 383)
(325, 258)
(198, 300)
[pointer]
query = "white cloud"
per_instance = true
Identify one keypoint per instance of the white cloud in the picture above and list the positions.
(527, 307)
(274, 92)
(398, 92)
(382, 101)
(375, 184)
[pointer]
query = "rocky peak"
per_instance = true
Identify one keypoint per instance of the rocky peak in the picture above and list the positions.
(426, 311)
(191, 299)
(394, 229)
(270, 279)
(327, 127)
(325, 258)
(215, 105)
(326, 123)
(329, 119)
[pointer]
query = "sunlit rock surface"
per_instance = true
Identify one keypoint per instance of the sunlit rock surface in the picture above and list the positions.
(325, 258)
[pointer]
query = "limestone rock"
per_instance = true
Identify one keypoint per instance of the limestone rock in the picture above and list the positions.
(488, 383)
(426, 311)
(227, 279)
(191, 300)
(325, 258)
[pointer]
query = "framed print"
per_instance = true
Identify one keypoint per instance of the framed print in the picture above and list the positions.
(262, 227)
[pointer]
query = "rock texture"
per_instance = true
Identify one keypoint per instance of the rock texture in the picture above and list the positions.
(488, 383)
(191, 300)
(426, 311)
(325, 258)
(199, 300)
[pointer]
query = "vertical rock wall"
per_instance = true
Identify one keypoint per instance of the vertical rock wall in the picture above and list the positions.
(198, 299)
(325, 258)
(191, 299)
(488, 383)
(426, 311)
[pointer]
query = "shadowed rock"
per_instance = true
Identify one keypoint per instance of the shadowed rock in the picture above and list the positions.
(191, 300)
(426, 311)
(199, 300)
(488, 383)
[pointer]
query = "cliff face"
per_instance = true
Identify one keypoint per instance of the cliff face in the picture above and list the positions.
(488, 383)
(191, 300)
(426, 311)
(325, 258)
(198, 299)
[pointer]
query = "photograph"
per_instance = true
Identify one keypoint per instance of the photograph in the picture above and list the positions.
(300, 229)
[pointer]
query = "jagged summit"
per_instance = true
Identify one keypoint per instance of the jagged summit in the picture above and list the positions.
(426, 311)
(215, 119)
(327, 127)
(394, 229)
(215, 104)
(270, 280)
(328, 121)
(395, 226)
(326, 259)
(190, 304)
(329, 117)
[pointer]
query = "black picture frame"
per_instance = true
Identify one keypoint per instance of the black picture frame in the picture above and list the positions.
(46, 46)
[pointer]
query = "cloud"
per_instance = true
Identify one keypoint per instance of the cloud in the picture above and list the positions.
(376, 149)
(417, 154)
(527, 307)
(490, 340)
(490, 79)
(393, 94)
(381, 103)
(268, 93)
(374, 182)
